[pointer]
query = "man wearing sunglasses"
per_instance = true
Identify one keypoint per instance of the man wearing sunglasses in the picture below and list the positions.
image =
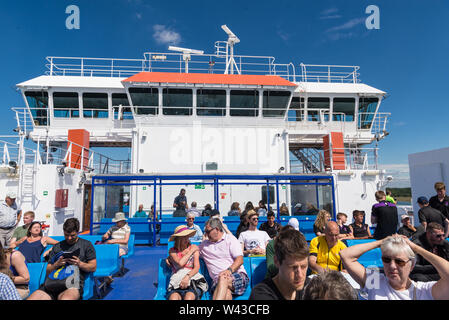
(254, 241)
(223, 257)
(433, 241)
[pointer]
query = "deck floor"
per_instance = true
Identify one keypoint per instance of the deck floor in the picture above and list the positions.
(141, 273)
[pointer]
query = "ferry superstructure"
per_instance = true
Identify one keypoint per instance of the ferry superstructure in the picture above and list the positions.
(190, 113)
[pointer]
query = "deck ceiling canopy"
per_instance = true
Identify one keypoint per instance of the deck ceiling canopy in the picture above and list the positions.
(207, 78)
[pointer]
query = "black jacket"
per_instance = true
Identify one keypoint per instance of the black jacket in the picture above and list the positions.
(422, 265)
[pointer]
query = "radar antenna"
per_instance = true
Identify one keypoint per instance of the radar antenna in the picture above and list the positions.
(186, 54)
(232, 40)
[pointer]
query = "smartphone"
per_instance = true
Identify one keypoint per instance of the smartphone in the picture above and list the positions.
(68, 255)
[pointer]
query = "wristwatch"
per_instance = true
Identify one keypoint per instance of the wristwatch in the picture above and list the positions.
(230, 270)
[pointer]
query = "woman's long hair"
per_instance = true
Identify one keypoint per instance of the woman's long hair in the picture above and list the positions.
(4, 265)
(321, 220)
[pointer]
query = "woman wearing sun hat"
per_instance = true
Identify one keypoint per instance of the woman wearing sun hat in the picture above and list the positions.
(186, 283)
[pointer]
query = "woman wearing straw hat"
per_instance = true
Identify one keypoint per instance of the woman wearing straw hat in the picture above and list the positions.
(186, 283)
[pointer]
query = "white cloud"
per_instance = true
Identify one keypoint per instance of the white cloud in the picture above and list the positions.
(345, 30)
(330, 13)
(139, 16)
(163, 35)
(347, 25)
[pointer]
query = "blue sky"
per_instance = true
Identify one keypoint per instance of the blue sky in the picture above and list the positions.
(408, 57)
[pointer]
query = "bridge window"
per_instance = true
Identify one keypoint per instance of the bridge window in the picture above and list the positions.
(211, 102)
(177, 102)
(66, 105)
(367, 109)
(296, 111)
(244, 103)
(38, 104)
(344, 109)
(318, 109)
(145, 100)
(95, 105)
(121, 99)
(275, 103)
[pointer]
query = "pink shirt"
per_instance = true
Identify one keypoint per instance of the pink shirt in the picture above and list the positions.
(220, 255)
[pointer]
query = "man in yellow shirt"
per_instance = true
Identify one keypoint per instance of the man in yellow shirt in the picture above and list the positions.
(324, 251)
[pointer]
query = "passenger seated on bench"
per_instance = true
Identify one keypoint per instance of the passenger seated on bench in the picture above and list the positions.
(272, 270)
(244, 224)
(254, 241)
(20, 233)
(7, 289)
(86, 261)
(198, 236)
(330, 285)
(216, 215)
(345, 231)
(140, 213)
(270, 226)
(194, 209)
(320, 222)
(207, 210)
(235, 209)
(118, 234)
(324, 250)
(186, 283)
(432, 240)
(360, 230)
(291, 253)
(12, 263)
(34, 244)
(262, 209)
(398, 257)
(223, 256)
(283, 210)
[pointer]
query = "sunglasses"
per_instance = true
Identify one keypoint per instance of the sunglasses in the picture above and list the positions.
(440, 236)
(254, 219)
(208, 231)
(398, 262)
(188, 219)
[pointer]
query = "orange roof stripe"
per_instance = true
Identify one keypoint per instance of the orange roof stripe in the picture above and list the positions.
(207, 78)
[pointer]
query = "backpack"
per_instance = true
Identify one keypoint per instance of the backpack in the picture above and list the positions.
(66, 277)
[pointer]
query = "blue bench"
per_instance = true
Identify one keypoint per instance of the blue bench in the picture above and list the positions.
(108, 263)
(372, 258)
(258, 270)
(38, 272)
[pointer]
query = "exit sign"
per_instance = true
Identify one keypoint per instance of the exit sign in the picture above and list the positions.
(45, 193)
(199, 186)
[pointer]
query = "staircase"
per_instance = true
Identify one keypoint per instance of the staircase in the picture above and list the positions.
(311, 159)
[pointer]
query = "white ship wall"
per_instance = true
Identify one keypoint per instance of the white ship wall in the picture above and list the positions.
(426, 168)
(47, 182)
(187, 149)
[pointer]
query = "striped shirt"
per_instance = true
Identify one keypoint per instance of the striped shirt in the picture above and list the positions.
(7, 289)
(119, 233)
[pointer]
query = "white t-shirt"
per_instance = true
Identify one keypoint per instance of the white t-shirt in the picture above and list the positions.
(386, 292)
(254, 239)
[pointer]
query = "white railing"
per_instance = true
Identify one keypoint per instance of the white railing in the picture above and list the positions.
(329, 73)
(354, 158)
(376, 123)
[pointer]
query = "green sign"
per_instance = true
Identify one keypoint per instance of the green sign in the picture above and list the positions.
(45, 193)
(144, 188)
(199, 186)
(284, 187)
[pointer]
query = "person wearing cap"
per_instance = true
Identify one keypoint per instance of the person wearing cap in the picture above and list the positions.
(186, 283)
(433, 241)
(440, 201)
(253, 241)
(427, 214)
(10, 216)
(408, 229)
(118, 234)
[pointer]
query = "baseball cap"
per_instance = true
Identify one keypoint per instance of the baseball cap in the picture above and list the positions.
(11, 194)
(294, 223)
(404, 216)
(422, 200)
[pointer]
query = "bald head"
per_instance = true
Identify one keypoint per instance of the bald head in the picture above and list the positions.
(331, 232)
